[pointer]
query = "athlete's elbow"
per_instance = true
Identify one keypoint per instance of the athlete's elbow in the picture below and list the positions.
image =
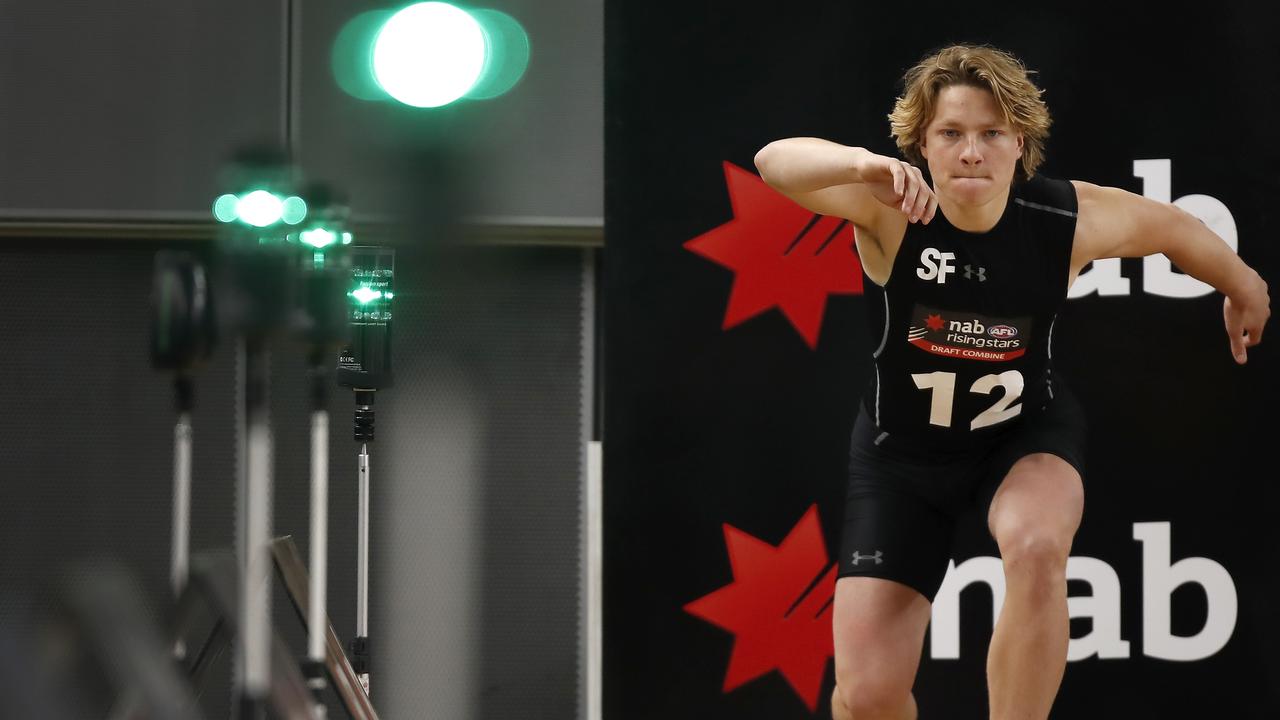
(1172, 230)
(1149, 228)
(766, 162)
(1175, 233)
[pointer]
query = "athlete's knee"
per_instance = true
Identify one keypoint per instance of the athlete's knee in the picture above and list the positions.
(868, 698)
(1034, 553)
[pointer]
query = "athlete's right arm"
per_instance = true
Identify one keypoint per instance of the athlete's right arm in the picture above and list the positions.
(848, 182)
(879, 194)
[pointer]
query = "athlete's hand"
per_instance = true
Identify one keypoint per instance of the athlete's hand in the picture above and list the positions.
(1246, 313)
(900, 185)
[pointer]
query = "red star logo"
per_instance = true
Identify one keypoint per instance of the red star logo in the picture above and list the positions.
(934, 322)
(778, 607)
(782, 256)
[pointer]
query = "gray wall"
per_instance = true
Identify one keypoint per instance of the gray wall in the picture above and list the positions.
(112, 110)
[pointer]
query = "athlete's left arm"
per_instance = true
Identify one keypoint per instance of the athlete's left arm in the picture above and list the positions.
(1116, 223)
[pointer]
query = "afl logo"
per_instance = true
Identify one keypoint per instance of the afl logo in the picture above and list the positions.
(1003, 332)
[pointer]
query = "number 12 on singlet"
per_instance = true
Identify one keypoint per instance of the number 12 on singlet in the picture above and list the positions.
(943, 385)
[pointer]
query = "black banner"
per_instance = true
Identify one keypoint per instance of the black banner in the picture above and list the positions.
(737, 350)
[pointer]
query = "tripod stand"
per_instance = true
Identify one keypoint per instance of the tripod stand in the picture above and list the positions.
(365, 367)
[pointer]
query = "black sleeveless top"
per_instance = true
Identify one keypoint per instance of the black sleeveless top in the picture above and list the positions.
(966, 321)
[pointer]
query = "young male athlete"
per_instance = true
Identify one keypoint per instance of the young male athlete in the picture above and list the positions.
(964, 408)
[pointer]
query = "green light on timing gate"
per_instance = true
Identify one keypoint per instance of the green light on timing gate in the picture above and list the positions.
(366, 295)
(318, 237)
(430, 54)
(260, 209)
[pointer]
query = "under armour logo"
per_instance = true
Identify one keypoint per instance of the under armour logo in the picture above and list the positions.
(982, 273)
(857, 558)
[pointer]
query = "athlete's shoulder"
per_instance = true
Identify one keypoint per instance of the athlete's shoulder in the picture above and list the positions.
(1048, 194)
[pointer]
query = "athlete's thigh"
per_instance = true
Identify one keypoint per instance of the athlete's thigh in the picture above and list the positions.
(1042, 494)
(879, 629)
(1035, 483)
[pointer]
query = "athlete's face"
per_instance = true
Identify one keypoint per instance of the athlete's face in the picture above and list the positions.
(971, 150)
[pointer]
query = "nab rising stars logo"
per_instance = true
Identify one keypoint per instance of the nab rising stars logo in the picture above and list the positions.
(782, 256)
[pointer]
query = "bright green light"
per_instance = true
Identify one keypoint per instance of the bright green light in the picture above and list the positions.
(224, 208)
(366, 295)
(260, 208)
(388, 296)
(294, 210)
(346, 238)
(318, 237)
(429, 54)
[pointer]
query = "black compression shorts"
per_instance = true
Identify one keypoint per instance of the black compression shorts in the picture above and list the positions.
(903, 500)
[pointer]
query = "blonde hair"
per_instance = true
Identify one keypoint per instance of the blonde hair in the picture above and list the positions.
(979, 66)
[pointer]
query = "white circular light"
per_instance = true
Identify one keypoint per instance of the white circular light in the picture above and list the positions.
(318, 237)
(429, 54)
(260, 208)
